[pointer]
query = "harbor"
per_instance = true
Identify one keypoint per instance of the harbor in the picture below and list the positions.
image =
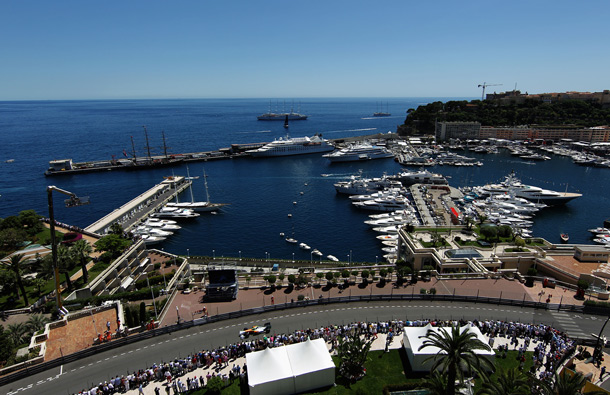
(141, 207)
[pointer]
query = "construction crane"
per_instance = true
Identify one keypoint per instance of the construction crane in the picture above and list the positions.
(485, 85)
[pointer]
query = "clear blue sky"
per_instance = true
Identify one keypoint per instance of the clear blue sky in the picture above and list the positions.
(296, 49)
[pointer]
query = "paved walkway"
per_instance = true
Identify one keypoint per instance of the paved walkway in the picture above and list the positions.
(190, 306)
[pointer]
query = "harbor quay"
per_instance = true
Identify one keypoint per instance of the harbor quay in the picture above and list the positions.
(139, 208)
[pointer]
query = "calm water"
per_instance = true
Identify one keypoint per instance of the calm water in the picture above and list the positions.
(261, 192)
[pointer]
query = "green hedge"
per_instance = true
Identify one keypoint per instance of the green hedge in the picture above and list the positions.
(78, 304)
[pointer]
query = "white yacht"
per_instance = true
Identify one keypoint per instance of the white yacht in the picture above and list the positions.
(420, 177)
(150, 240)
(359, 152)
(293, 146)
(197, 206)
(512, 184)
(357, 185)
(175, 213)
(168, 225)
(304, 246)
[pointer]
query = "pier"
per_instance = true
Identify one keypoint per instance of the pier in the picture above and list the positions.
(141, 207)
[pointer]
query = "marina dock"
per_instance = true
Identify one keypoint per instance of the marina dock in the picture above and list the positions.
(141, 207)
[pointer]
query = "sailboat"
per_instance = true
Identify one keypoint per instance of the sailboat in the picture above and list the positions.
(197, 206)
(382, 113)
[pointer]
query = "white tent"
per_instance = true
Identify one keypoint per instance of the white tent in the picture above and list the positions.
(290, 369)
(311, 364)
(413, 339)
(269, 372)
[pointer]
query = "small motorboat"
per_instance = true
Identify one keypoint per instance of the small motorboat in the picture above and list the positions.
(282, 234)
(564, 237)
(291, 240)
(304, 246)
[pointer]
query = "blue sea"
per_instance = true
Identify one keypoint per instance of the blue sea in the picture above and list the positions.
(261, 192)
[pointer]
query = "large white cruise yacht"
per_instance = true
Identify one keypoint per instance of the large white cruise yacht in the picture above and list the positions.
(512, 185)
(293, 146)
(359, 152)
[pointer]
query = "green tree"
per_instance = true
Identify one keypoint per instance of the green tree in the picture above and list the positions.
(482, 219)
(569, 383)
(112, 243)
(508, 382)
(353, 351)
(143, 315)
(30, 221)
(345, 274)
(15, 266)
(456, 357)
(11, 238)
(319, 276)
(6, 344)
(469, 222)
(292, 279)
(383, 273)
(82, 253)
(17, 332)
(281, 277)
(214, 385)
(272, 279)
(365, 275)
(520, 243)
(116, 229)
(329, 276)
(436, 384)
(36, 322)
(65, 263)
(39, 283)
(489, 232)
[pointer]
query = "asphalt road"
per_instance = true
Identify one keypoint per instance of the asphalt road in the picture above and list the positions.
(75, 376)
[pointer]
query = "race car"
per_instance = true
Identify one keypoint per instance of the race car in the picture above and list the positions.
(255, 330)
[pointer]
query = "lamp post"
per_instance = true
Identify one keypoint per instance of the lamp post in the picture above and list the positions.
(72, 202)
(293, 257)
(376, 258)
(240, 255)
(598, 348)
(214, 254)
(188, 255)
(311, 258)
(350, 257)
(153, 298)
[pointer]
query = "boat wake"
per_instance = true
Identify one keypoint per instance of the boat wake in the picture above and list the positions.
(256, 131)
(350, 130)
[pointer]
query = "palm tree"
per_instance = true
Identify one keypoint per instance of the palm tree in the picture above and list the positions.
(82, 250)
(39, 282)
(569, 383)
(436, 384)
(65, 261)
(456, 357)
(17, 332)
(36, 322)
(508, 382)
(353, 351)
(15, 266)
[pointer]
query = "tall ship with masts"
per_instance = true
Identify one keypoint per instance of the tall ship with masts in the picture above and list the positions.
(133, 162)
(282, 116)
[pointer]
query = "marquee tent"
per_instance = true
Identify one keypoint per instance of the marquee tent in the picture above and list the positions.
(290, 369)
(413, 339)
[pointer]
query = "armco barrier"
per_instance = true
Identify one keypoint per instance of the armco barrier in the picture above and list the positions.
(283, 306)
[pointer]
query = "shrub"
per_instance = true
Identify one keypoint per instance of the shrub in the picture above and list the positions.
(301, 297)
(433, 291)
(423, 291)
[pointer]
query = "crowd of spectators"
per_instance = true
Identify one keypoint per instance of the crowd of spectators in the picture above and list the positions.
(552, 346)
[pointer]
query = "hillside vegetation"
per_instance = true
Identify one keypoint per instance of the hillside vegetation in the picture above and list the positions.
(492, 113)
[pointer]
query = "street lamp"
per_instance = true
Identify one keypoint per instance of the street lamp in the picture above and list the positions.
(350, 257)
(72, 202)
(188, 255)
(240, 255)
(214, 254)
(293, 257)
(376, 258)
(311, 258)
